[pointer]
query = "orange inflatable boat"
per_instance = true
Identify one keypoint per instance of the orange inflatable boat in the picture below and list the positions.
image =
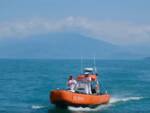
(79, 97)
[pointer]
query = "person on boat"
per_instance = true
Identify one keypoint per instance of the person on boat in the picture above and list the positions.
(88, 84)
(71, 83)
(95, 88)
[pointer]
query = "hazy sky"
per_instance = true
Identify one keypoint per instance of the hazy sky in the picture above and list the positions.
(123, 22)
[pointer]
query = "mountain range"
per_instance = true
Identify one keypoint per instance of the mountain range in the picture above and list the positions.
(61, 45)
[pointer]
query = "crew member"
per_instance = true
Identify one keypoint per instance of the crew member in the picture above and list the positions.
(71, 83)
(88, 84)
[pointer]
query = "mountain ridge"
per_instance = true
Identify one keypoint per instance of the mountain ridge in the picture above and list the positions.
(60, 45)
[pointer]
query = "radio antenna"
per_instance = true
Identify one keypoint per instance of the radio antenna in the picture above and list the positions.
(95, 65)
(81, 64)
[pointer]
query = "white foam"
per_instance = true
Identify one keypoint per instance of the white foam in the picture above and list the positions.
(123, 99)
(38, 106)
(86, 108)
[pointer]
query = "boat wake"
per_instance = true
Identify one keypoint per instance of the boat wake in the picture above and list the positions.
(71, 108)
(113, 101)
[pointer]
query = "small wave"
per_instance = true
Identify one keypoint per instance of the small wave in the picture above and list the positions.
(38, 106)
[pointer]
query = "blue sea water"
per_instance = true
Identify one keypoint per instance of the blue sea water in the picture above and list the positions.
(25, 85)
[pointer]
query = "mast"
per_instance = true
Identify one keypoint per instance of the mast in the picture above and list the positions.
(81, 64)
(95, 69)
